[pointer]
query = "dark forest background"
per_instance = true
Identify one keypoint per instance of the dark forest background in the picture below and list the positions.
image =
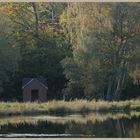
(84, 50)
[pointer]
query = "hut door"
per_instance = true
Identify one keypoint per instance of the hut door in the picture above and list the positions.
(34, 95)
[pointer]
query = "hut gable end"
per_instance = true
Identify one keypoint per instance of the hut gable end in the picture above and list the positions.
(34, 89)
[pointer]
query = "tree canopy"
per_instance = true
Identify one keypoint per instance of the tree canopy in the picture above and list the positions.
(85, 50)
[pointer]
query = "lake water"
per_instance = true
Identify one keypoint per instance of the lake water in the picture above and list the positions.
(87, 125)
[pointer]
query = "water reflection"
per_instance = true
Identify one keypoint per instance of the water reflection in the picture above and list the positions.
(89, 125)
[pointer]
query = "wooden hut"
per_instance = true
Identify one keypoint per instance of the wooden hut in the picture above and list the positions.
(34, 89)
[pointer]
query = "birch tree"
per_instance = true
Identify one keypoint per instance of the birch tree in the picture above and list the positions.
(104, 39)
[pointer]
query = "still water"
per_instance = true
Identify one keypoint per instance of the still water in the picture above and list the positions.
(86, 125)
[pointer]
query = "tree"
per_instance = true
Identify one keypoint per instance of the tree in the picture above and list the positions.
(42, 43)
(104, 40)
(8, 54)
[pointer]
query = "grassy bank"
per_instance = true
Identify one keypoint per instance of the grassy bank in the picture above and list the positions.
(77, 106)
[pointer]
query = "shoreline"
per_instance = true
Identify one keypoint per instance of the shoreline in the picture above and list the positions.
(64, 107)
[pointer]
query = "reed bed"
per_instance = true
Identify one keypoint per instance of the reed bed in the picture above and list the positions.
(76, 106)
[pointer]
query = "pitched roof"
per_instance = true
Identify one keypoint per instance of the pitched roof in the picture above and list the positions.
(27, 81)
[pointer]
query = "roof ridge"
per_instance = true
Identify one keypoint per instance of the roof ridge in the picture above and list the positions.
(37, 80)
(28, 83)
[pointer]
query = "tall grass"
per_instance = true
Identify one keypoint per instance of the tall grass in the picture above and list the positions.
(76, 106)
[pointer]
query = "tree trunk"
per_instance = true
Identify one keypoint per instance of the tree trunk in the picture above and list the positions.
(36, 19)
(109, 94)
(118, 90)
(102, 96)
(120, 85)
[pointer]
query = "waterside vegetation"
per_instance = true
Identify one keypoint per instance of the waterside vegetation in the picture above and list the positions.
(64, 107)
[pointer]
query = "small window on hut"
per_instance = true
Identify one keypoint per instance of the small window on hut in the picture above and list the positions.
(34, 95)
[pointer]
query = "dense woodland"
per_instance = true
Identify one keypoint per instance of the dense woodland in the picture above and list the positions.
(84, 50)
